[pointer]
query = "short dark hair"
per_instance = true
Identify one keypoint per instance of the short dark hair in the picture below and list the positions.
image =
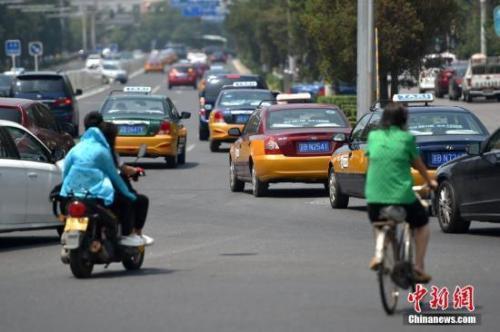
(395, 114)
(92, 119)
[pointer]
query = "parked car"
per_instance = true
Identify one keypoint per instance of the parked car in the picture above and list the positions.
(482, 78)
(456, 81)
(182, 75)
(469, 187)
(286, 143)
(38, 119)
(5, 85)
(29, 172)
(55, 90)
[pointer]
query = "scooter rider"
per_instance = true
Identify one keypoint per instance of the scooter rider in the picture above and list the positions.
(89, 170)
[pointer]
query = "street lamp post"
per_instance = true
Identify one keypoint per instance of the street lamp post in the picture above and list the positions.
(365, 57)
(483, 32)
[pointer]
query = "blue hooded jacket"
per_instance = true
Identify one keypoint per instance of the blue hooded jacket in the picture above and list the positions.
(89, 170)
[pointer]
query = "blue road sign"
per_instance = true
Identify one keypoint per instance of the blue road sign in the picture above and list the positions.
(35, 48)
(113, 47)
(496, 19)
(197, 11)
(13, 47)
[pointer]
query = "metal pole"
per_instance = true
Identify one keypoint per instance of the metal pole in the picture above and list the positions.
(36, 62)
(13, 57)
(84, 27)
(377, 69)
(365, 74)
(483, 32)
(92, 30)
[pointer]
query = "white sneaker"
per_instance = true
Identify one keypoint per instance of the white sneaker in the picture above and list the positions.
(133, 240)
(148, 240)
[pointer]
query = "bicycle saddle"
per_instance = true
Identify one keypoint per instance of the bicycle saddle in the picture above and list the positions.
(393, 212)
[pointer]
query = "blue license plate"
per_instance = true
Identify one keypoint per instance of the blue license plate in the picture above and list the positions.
(439, 158)
(131, 130)
(242, 118)
(313, 147)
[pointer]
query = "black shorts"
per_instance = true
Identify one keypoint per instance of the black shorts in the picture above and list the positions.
(416, 214)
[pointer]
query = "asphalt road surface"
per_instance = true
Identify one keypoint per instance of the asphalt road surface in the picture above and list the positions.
(232, 262)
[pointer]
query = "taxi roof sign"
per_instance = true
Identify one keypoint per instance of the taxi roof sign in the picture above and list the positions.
(413, 98)
(289, 98)
(137, 89)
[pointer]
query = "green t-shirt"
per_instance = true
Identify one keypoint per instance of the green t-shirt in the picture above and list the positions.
(390, 153)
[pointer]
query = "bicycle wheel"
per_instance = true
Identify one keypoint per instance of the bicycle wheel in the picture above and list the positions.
(389, 291)
(408, 255)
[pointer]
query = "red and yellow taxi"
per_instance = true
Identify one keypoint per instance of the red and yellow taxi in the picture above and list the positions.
(232, 109)
(153, 64)
(286, 143)
(147, 119)
(442, 134)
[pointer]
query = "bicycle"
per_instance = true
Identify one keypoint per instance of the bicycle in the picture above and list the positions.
(394, 247)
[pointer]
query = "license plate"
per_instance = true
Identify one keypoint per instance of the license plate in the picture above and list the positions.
(76, 224)
(71, 240)
(242, 118)
(313, 147)
(131, 130)
(439, 158)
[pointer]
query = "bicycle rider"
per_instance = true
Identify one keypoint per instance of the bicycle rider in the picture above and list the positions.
(391, 153)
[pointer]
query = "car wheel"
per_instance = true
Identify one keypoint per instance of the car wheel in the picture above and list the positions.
(214, 146)
(181, 158)
(235, 184)
(338, 200)
(448, 212)
(169, 87)
(467, 98)
(172, 161)
(259, 188)
(203, 134)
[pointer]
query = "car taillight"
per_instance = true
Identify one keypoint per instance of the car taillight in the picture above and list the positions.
(271, 145)
(164, 128)
(63, 102)
(218, 116)
(77, 209)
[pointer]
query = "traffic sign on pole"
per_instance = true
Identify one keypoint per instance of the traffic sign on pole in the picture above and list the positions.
(13, 49)
(35, 49)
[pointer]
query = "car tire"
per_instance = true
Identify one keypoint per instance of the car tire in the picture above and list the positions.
(214, 146)
(259, 188)
(448, 212)
(181, 158)
(172, 161)
(235, 184)
(169, 87)
(467, 98)
(338, 200)
(203, 134)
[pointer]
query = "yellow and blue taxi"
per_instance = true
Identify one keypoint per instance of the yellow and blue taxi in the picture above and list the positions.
(285, 143)
(147, 119)
(442, 134)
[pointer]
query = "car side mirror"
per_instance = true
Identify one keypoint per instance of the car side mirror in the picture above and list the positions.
(234, 132)
(78, 92)
(473, 149)
(339, 138)
(185, 115)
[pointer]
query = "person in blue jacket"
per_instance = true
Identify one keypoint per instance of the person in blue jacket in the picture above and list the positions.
(89, 171)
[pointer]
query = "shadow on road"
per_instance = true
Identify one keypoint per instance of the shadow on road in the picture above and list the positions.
(222, 150)
(11, 243)
(490, 231)
(293, 193)
(163, 165)
(124, 273)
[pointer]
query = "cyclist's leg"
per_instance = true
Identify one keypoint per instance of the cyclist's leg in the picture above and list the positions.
(378, 235)
(419, 221)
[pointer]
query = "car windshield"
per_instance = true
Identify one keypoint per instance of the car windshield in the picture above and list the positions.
(305, 118)
(443, 123)
(10, 114)
(130, 106)
(244, 99)
(39, 84)
(109, 66)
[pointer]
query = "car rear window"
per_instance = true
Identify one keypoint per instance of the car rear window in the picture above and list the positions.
(130, 106)
(486, 69)
(214, 85)
(183, 69)
(244, 99)
(10, 114)
(33, 84)
(305, 118)
(443, 123)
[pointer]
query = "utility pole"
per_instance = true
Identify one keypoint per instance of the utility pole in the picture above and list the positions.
(483, 32)
(83, 9)
(365, 57)
(92, 27)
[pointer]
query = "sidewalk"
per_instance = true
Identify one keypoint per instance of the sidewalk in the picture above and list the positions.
(240, 68)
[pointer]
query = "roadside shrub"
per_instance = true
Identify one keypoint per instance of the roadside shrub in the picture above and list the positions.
(346, 103)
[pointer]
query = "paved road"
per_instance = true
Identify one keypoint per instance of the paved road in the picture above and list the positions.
(232, 262)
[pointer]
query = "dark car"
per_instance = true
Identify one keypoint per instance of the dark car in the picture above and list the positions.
(218, 56)
(315, 89)
(211, 91)
(38, 119)
(469, 187)
(179, 49)
(442, 134)
(182, 75)
(54, 90)
(5, 85)
(455, 85)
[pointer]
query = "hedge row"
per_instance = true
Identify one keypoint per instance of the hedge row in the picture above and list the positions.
(346, 103)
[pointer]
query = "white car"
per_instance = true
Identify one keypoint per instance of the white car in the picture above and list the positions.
(197, 57)
(113, 72)
(28, 173)
(482, 78)
(427, 79)
(93, 61)
(15, 71)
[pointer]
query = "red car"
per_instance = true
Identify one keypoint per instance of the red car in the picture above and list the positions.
(182, 75)
(443, 81)
(38, 119)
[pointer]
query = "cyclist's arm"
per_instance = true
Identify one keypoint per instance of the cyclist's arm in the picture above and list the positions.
(419, 165)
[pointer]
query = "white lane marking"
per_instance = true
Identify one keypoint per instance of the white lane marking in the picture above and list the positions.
(106, 87)
(155, 90)
(178, 92)
(191, 147)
